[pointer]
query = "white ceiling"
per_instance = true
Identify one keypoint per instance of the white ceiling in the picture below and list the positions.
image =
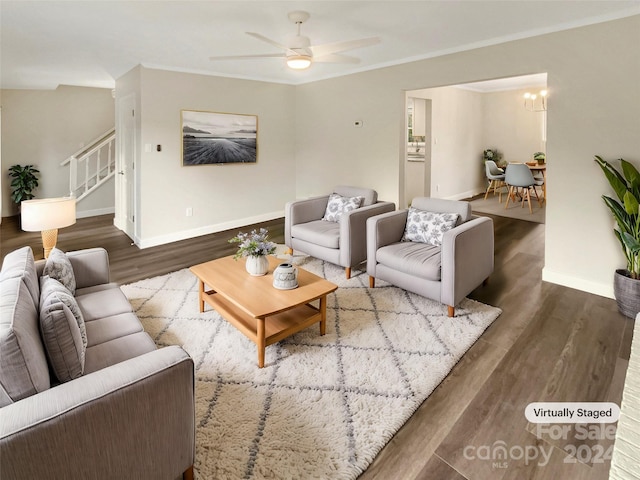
(92, 43)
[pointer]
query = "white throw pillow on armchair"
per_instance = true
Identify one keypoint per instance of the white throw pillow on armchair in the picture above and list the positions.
(428, 227)
(338, 205)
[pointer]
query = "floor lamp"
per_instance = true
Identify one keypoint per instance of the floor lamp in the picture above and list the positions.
(47, 215)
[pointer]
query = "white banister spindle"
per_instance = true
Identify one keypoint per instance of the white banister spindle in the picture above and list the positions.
(73, 175)
(98, 165)
(109, 157)
(86, 174)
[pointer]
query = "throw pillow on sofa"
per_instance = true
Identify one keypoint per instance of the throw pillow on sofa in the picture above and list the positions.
(63, 329)
(338, 205)
(58, 266)
(428, 227)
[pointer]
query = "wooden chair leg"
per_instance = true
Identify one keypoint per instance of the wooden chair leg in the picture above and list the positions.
(188, 473)
(289, 251)
(509, 194)
(535, 190)
(372, 282)
(489, 189)
(347, 272)
(451, 311)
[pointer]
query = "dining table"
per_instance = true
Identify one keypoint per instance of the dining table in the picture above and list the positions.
(542, 168)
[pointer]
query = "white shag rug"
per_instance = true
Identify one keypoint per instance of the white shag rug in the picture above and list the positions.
(323, 406)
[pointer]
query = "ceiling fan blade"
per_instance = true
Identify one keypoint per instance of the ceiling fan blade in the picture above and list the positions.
(272, 42)
(243, 57)
(336, 58)
(328, 48)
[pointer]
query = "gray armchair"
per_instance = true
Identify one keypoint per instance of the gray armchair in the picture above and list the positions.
(341, 243)
(445, 273)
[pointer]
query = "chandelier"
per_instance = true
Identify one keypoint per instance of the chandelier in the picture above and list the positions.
(532, 103)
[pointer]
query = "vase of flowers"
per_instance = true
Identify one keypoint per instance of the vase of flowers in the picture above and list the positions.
(255, 246)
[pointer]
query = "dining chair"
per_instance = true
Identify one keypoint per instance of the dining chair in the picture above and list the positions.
(517, 176)
(495, 175)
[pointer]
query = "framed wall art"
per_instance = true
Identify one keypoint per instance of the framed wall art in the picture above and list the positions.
(210, 138)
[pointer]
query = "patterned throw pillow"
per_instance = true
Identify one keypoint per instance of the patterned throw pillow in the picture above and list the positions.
(428, 227)
(58, 266)
(63, 329)
(338, 205)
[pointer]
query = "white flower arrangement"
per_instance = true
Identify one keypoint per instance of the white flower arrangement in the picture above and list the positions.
(254, 244)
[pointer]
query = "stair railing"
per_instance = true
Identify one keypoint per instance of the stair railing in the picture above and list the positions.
(92, 165)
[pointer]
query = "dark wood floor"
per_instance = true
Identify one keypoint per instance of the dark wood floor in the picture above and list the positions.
(551, 343)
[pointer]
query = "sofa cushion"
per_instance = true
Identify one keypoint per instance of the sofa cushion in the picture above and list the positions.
(338, 205)
(24, 370)
(413, 258)
(105, 329)
(105, 301)
(318, 232)
(58, 266)
(117, 350)
(20, 263)
(428, 227)
(63, 330)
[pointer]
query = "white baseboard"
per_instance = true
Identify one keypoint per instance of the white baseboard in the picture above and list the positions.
(604, 289)
(196, 232)
(464, 195)
(95, 213)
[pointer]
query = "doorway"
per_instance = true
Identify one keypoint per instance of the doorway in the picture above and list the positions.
(417, 168)
(461, 122)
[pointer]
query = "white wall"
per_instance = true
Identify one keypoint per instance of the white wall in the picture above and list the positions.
(221, 196)
(44, 127)
(594, 108)
(507, 126)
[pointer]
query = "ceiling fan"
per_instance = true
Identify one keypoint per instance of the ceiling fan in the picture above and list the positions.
(299, 52)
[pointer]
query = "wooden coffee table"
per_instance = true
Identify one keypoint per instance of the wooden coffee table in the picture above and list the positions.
(263, 313)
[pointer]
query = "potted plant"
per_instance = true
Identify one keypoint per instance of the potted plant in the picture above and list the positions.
(255, 246)
(23, 182)
(625, 211)
(539, 157)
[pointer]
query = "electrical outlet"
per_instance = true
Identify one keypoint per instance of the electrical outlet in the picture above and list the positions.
(189, 212)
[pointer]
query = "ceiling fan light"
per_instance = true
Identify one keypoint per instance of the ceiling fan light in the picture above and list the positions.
(299, 62)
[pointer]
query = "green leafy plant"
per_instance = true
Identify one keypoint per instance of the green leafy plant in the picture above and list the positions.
(625, 210)
(23, 182)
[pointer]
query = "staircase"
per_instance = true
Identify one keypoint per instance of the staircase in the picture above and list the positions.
(93, 165)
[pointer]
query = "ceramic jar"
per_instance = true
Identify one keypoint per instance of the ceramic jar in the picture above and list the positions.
(285, 277)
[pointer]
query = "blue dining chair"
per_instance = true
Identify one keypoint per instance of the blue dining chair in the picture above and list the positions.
(495, 176)
(517, 176)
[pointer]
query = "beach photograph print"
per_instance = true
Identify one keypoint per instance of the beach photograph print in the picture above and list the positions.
(218, 138)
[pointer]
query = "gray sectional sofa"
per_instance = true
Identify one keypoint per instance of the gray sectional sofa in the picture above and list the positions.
(84, 392)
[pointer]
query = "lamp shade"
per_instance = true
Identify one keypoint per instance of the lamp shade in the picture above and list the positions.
(298, 62)
(47, 213)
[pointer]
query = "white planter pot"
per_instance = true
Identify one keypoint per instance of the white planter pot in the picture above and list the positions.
(257, 266)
